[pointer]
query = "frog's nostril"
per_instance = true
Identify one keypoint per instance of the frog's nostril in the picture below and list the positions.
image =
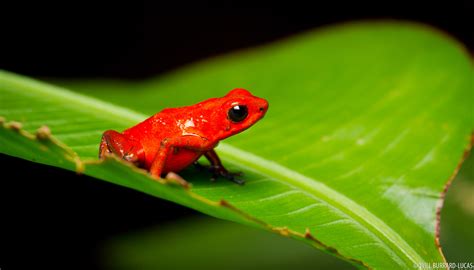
(261, 109)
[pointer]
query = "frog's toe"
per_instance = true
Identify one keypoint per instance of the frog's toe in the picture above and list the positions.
(218, 171)
(234, 177)
(238, 181)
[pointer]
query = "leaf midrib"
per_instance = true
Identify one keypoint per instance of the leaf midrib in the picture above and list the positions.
(242, 158)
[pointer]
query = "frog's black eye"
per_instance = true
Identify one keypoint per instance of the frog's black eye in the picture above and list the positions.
(238, 113)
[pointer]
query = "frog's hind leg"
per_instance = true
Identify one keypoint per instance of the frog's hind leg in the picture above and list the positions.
(116, 143)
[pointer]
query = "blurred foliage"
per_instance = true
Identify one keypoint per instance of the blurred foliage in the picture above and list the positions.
(457, 217)
(207, 243)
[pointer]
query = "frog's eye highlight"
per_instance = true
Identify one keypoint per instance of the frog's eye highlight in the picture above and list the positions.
(238, 113)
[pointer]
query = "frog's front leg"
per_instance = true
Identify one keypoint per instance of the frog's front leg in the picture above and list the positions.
(167, 145)
(122, 146)
(218, 169)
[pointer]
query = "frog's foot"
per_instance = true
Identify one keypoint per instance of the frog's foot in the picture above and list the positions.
(177, 179)
(219, 171)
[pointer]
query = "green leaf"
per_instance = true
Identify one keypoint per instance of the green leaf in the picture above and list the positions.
(367, 122)
(234, 247)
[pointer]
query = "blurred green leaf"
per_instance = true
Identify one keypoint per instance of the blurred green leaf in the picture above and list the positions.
(228, 246)
(367, 122)
(457, 217)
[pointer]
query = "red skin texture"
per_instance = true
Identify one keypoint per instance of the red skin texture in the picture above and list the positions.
(174, 138)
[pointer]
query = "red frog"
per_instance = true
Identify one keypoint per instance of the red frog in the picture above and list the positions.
(174, 138)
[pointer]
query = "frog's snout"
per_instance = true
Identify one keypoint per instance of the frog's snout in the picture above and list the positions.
(263, 106)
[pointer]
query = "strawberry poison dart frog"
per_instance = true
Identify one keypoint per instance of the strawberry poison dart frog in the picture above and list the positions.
(174, 138)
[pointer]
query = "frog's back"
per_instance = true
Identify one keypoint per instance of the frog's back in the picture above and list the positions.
(151, 133)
